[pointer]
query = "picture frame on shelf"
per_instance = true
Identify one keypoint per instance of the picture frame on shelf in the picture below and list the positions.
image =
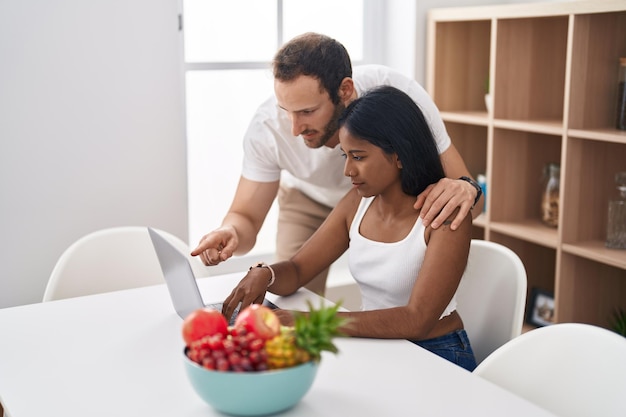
(541, 308)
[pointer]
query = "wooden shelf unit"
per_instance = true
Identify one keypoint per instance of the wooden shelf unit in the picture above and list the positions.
(551, 69)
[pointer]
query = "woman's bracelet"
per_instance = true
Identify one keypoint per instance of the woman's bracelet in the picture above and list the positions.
(264, 265)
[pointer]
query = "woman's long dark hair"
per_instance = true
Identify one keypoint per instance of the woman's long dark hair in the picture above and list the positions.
(390, 119)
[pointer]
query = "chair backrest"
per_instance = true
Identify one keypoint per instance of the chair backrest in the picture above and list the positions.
(109, 260)
(570, 369)
(492, 296)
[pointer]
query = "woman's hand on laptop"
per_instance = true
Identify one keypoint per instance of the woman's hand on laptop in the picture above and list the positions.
(251, 289)
(217, 246)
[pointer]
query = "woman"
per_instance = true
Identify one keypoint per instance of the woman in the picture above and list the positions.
(407, 273)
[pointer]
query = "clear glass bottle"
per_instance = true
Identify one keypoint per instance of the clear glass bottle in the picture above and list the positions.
(550, 196)
(616, 225)
(620, 120)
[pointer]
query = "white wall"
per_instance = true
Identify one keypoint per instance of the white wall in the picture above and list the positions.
(91, 129)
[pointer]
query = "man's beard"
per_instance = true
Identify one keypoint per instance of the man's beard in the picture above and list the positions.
(332, 127)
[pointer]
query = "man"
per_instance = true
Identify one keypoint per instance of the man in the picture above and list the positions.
(291, 149)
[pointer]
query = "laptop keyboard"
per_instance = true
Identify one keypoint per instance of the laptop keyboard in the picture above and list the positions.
(218, 307)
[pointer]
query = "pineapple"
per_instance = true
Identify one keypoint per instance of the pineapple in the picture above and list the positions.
(311, 334)
(282, 351)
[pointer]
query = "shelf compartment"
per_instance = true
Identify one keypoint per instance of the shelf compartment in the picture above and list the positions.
(530, 68)
(539, 262)
(528, 230)
(596, 251)
(593, 165)
(599, 42)
(480, 221)
(588, 291)
(518, 163)
(478, 227)
(462, 48)
(603, 135)
(471, 142)
(468, 117)
(549, 127)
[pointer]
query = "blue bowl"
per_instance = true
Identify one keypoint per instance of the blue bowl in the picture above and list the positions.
(251, 393)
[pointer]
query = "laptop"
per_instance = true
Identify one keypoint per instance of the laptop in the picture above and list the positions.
(180, 279)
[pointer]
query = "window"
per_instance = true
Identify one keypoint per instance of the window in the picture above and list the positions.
(228, 49)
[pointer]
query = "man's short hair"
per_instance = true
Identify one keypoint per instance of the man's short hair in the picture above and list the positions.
(315, 55)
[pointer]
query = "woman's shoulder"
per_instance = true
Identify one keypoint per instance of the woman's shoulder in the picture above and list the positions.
(348, 205)
(464, 231)
(350, 201)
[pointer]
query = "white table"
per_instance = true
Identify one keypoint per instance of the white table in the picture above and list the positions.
(120, 354)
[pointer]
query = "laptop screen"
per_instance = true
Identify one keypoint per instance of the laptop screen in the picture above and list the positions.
(178, 275)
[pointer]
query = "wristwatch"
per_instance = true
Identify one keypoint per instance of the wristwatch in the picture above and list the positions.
(474, 184)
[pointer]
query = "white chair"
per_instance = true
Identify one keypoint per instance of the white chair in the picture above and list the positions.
(109, 260)
(570, 369)
(492, 296)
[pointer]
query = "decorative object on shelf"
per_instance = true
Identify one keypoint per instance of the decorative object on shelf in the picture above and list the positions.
(488, 96)
(550, 196)
(616, 224)
(541, 308)
(488, 102)
(481, 179)
(620, 121)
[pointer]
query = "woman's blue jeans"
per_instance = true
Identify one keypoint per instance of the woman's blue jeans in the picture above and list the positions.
(454, 346)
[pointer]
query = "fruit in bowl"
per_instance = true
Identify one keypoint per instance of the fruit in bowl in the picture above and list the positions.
(204, 322)
(274, 365)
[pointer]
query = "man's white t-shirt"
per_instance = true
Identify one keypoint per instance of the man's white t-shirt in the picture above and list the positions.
(271, 152)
